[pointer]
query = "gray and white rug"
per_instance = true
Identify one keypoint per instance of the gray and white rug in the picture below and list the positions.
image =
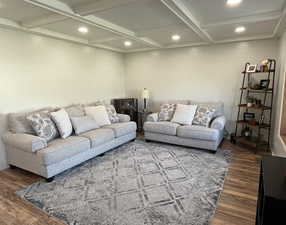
(137, 184)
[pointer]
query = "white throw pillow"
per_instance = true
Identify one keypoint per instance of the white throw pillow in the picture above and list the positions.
(99, 114)
(184, 114)
(63, 123)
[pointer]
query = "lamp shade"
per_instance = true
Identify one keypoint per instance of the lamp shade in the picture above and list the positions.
(145, 93)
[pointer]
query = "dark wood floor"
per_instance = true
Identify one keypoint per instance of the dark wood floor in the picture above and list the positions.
(237, 204)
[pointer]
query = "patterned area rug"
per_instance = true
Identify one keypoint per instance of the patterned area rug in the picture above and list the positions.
(135, 184)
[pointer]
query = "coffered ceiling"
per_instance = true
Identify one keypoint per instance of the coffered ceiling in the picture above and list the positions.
(136, 25)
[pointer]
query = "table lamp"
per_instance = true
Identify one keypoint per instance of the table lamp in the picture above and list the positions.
(145, 96)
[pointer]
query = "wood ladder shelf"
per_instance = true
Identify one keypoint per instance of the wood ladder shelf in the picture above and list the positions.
(256, 141)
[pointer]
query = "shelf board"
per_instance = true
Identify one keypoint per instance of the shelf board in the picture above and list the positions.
(254, 107)
(264, 125)
(270, 71)
(268, 90)
(251, 141)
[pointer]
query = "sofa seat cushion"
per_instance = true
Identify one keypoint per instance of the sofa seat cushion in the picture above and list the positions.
(60, 149)
(99, 136)
(162, 127)
(198, 132)
(121, 129)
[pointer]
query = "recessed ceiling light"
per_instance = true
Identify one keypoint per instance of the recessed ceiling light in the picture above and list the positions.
(240, 29)
(176, 37)
(127, 43)
(83, 30)
(233, 2)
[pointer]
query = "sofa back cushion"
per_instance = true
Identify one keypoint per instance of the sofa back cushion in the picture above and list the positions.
(18, 123)
(83, 124)
(76, 110)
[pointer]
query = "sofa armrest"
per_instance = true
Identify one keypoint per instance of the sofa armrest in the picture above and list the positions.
(123, 117)
(152, 117)
(25, 142)
(218, 123)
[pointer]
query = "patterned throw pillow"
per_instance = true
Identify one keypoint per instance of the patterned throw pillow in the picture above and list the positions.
(43, 125)
(167, 111)
(112, 114)
(203, 116)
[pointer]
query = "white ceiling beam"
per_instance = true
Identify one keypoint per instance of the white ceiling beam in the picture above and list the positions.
(12, 25)
(183, 13)
(44, 20)
(59, 8)
(98, 6)
(104, 40)
(81, 9)
(261, 17)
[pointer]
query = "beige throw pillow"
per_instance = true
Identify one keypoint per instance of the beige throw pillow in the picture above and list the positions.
(63, 123)
(99, 114)
(184, 114)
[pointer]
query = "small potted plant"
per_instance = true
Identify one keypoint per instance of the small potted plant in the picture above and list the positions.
(250, 101)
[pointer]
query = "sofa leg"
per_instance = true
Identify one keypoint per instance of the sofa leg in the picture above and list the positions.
(48, 180)
(12, 167)
(146, 140)
(102, 154)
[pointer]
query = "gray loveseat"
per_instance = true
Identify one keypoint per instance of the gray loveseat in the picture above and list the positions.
(188, 135)
(47, 159)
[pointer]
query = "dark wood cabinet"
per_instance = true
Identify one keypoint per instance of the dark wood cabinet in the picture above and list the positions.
(127, 106)
(271, 204)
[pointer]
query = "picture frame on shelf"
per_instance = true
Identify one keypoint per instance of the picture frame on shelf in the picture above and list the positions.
(248, 117)
(251, 68)
(264, 84)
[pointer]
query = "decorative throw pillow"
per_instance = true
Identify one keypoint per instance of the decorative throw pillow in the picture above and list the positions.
(112, 114)
(43, 125)
(184, 114)
(62, 120)
(166, 112)
(204, 115)
(99, 114)
(83, 124)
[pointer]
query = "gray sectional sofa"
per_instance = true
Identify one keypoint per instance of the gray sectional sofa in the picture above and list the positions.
(47, 159)
(188, 135)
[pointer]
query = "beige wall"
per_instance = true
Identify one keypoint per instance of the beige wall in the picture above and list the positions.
(38, 71)
(208, 73)
(279, 146)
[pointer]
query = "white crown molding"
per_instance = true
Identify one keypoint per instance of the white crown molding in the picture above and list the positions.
(253, 38)
(98, 6)
(178, 8)
(261, 17)
(58, 8)
(280, 27)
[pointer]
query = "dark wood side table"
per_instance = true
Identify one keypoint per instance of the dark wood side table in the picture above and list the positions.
(271, 204)
(142, 116)
(127, 106)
